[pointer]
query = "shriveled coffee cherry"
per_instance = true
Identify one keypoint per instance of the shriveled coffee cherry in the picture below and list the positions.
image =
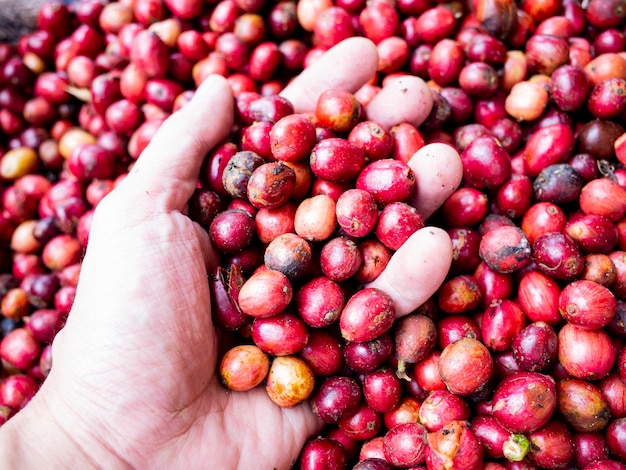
(270, 185)
(225, 284)
(368, 314)
(204, 205)
(337, 110)
(290, 381)
(244, 367)
(238, 171)
(290, 254)
(388, 181)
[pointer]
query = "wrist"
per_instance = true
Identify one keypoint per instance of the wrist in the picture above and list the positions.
(36, 438)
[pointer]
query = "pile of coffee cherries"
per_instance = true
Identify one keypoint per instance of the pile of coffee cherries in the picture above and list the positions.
(518, 361)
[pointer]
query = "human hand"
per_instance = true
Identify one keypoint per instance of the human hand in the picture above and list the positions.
(134, 382)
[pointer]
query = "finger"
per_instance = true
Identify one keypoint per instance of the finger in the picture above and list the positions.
(417, 269)
(438, 171)
(348, 65)
(406, 99)
(166, 173)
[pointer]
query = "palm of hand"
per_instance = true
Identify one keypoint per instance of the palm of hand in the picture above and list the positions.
(158, 366)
